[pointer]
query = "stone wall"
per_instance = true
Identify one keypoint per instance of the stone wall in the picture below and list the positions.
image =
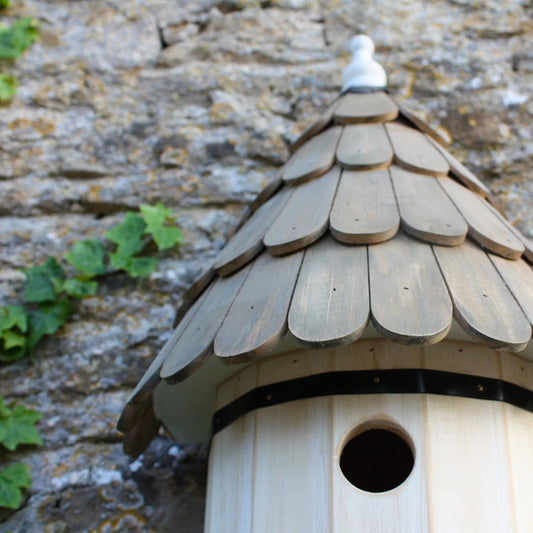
(195, 103)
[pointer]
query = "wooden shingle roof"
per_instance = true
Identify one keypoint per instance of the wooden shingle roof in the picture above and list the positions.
(370, 223)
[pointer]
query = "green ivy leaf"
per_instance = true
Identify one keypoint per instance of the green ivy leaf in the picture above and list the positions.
(88, 257)
(128, 235)
(18, 37)
(80, 288)
(8, 87)
(13, 340)
(17, 426)
(13, 316)
(13, 346)
(48, 319)
(44, 282)
(155, 218)
(12, 479)
(134, 266)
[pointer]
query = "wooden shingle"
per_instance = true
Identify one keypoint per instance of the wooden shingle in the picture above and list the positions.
(325, 255)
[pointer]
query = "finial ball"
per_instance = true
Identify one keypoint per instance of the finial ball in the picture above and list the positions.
(360, 43)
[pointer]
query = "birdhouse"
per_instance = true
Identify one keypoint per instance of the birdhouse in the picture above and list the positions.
(359, 353)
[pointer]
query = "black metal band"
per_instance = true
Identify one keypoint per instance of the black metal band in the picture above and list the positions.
(397, 381)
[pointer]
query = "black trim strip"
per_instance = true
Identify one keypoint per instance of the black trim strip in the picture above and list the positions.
(396, 381)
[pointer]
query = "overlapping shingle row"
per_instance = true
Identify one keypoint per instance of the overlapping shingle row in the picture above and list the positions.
(371, 219)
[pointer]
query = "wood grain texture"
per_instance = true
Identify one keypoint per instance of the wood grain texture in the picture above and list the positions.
(195, 344)
(305, 216)
(364, 146)
(365, 107)
(483, 224)
(409, 115)
(426, 210)
(413, 151)
(527, 243)
(258, 317)
(316, 127)
(292, 467)
(408, 298)
(466, 467)
(518, 277)
(482, 302)
(401, 510)
(330, 306)
(314, 158)
(231, 460)
(248, 241)
(461, 172)
(364, 209)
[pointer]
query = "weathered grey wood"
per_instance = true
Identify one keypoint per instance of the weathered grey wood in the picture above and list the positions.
(409, 115)
(483, 225)
(364, 209)
(461, 172)
(314, 158)
(518, 277)
(365, 107)
(426, 210)
(196, 342)
(248, 241)
(268, 191)
(413, 151)
(408, 298)
(364, 146)
(330, 306)
(258, 317)
(482, 302)
(528, 244)
(143, 391)
(304, 218)
(198, 286)
(316, 127)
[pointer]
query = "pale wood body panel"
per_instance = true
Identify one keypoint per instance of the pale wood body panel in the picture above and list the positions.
(413, 151)
(314, 158)
(473, 460)
(426, 210)
(364, 209)
(232, 458)
(466, 466)
(364, 146)
(303, 219)
(365, 107)
(331, 299)
(402, 510)
(292, 467)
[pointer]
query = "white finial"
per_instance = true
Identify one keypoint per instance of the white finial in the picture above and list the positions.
(363, 71)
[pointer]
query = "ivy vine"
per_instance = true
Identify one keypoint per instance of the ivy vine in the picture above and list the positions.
(50, 295)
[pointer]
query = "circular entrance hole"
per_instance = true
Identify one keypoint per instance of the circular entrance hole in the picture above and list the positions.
(377, 459)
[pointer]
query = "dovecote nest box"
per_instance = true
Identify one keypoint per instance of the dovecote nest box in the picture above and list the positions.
(360, 351)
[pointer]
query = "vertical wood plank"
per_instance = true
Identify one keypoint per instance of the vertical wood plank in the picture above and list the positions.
(466, 466)
(231, 465)
(401, 510)
(292, 467)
